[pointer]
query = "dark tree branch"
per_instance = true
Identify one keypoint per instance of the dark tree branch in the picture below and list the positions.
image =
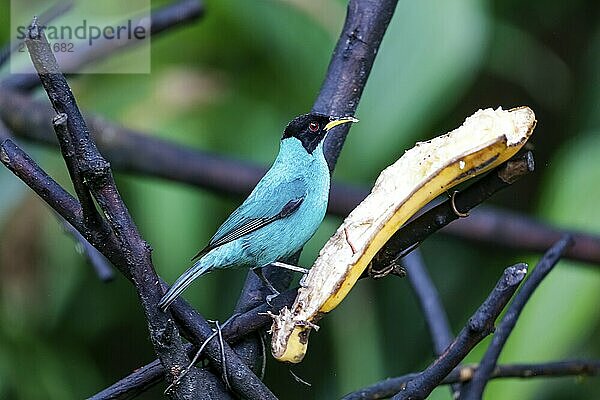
(98, 177)
(480, 325)
(133, 257)
(350, 66)
(68, 149)
(134, 152)
(257, 319)
(429, 300)
(242, 379)
(565, 368)
(441, 215)
(474, 389)
(349, 69)
(176, 14)
(239, 327)
(516, 231)
(173, 15)
(101, 265)
(431, 305)
(139, 381)
(20, 164)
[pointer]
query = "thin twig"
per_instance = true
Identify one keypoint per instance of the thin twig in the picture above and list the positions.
(197, 329)
(479, 326)
(431, 304)
(461, 374)
(429, 299)
(238, 328)
(474, 389)
(191, 364)
(91, 217)
(142, 379)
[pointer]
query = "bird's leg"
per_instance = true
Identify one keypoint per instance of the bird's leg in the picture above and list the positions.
(258, 271)
(278, 264)
(294, 268)
(290, 267)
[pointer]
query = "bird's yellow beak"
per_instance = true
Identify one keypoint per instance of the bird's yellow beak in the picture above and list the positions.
(339, 121)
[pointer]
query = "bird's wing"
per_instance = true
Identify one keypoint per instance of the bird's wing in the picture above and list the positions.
(265, 205)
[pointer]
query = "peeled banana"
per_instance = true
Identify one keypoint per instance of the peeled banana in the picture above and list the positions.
(486, 139)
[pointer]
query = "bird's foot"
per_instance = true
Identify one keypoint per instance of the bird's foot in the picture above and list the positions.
(271, 297)
(302, 282)
(392, 269)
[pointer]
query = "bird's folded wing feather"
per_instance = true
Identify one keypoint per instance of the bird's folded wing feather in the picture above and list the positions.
(266, 204)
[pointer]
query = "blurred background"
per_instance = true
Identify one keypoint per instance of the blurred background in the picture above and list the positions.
(228, 84)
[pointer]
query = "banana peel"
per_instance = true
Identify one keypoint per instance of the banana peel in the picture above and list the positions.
(485, 140)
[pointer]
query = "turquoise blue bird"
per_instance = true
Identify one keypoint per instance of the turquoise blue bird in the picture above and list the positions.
(280, 215)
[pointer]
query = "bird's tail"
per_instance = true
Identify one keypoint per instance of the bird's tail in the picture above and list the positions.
(200, 268)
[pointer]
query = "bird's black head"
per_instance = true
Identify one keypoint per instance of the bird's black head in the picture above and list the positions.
(310, 129)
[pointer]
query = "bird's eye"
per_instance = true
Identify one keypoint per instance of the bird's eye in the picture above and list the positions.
(313, 126)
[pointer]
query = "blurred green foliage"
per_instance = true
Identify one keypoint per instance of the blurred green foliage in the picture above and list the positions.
(229, 84)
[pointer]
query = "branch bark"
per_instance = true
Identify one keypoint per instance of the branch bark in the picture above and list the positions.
(240, 327)
(431, 305)
(463, 373)
(350, 66)
(474, 389)
(480, 325)
(91, 175)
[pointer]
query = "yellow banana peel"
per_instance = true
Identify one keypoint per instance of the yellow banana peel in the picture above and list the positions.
(485, 140)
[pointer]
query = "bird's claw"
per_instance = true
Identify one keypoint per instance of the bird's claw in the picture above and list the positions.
(302, 282)
(271, 297)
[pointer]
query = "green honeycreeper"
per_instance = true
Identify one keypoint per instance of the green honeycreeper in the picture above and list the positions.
(280, 215)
